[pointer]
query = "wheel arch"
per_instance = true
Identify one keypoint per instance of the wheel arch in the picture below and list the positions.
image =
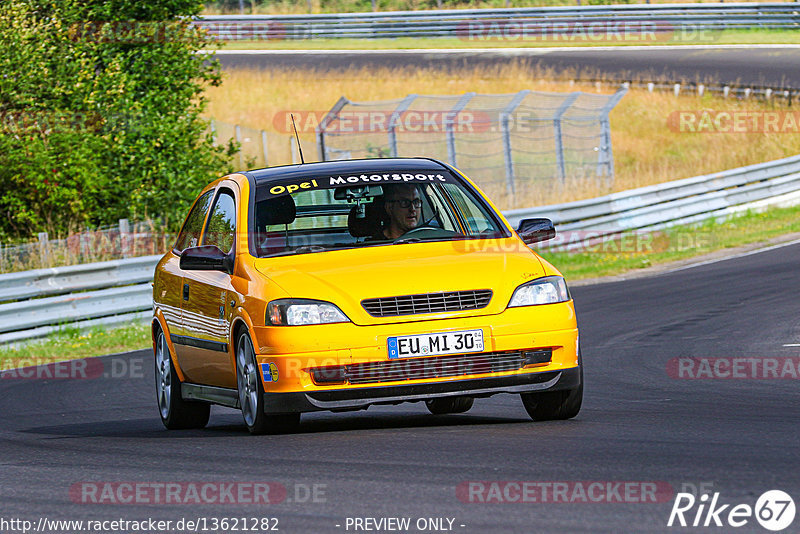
(160, 322)
(240, 323)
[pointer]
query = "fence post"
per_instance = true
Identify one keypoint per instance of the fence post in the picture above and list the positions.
(84, 247)
(401, 108)
(320, 130)
(605, 156)
(448, 121)
(213, 126)
(507, 155)
(124, 237)
(264, 147)
(558, 136)
(44, 249)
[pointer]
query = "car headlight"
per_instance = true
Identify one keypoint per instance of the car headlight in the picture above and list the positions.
(546, 290)
(296, 312)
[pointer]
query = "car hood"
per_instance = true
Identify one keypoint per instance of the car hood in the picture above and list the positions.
(346, 277)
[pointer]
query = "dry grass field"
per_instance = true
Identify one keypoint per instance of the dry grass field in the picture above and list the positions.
(650, 144)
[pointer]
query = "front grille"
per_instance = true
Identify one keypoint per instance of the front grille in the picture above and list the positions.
(428, 303)
(426, 368)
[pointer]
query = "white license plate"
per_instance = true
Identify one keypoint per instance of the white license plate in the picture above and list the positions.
(435, 344)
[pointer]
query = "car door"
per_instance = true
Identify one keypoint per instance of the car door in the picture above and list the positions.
(203, 348)
(169, 282)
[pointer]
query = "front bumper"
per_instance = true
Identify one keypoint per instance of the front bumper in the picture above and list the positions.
(362, 397)
(289, 358)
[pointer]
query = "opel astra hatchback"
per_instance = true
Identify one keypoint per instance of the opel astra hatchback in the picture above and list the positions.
(339, 285)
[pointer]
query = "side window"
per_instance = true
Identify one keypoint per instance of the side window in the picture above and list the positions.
(222, 223)
(193, 227)
(477, 216)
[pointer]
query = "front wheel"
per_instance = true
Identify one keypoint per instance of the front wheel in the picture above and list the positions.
(554, 405)
(251, 394)
(444, 405)
(176, 413)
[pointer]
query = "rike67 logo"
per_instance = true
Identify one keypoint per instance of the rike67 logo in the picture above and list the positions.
(774, 510)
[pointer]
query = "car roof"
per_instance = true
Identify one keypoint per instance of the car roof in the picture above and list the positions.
(351, 166)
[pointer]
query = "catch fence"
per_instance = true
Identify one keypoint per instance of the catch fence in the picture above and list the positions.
(123, 240)
(506, 143)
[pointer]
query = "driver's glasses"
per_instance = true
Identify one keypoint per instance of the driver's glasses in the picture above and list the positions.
(405, 203)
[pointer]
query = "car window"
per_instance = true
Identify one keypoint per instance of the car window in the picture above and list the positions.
(221, 225)
(324, 213)
(476, 214)
(193, 227)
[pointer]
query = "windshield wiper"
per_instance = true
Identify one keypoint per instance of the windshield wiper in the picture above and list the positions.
(308, 248)
(407, 240)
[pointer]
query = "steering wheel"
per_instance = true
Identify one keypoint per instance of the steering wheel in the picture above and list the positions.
(419, 229)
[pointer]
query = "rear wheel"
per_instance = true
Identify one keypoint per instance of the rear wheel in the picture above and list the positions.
(445, 405)
(176, 413)
(554, 405)
(251, 394)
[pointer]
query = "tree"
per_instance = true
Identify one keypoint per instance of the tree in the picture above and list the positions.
(100, 103)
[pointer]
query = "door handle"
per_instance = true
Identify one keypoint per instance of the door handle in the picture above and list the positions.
(185, 291)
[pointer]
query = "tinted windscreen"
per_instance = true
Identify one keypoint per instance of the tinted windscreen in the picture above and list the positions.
(334, 212)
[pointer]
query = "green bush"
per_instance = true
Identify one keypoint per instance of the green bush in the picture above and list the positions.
(100, 103)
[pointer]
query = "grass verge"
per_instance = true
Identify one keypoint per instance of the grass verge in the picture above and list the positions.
(678, 38)
(71, 343)
(646, 249)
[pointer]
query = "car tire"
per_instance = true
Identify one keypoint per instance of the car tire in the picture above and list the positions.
(251, 394)
(554, 405)
(176, 413)
(445, 405)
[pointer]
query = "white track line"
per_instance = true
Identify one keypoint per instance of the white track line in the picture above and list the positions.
(734, 256)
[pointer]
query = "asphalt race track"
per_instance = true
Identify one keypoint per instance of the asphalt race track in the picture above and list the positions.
(737, 437)
(774, 66)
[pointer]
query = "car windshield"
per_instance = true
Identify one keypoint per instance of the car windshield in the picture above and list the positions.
(315, 214)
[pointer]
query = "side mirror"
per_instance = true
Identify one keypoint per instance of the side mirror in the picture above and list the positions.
(206, 258)
(536, 230)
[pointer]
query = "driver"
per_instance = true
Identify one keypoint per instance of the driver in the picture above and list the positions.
(403, 205)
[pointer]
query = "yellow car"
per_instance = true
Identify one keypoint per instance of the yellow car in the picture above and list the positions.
(339, 285)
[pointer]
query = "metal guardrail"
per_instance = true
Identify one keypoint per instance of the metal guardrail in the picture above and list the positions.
(73, 278)
(680, 202)
(35, 303)
(492, 23)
